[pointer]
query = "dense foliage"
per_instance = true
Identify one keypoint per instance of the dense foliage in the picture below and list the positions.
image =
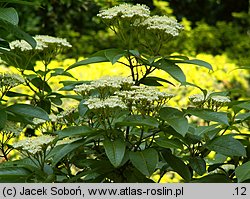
(121, 129)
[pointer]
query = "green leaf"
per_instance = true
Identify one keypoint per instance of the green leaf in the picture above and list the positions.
(198, 165)
(242, 172)
(172, 69)
(3, 119)
(13, 174)
(196, 62)
(175, 119)
(26, 110)
(115, 151)
(73, 131)
(154, 81)
(177, 165)
(169, 143)
(145, 161)
(139, 120)
(10, 15)
(244, 105)
(227, 145)
(95, 58)
(15, 94)
(61, 151)
(113, 55)
(17, 32)
(41, 84)
(213, 178)
(21, 2)
(209, 115)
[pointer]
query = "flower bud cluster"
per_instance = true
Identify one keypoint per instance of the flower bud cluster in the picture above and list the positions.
(10, 80)
(34, 145)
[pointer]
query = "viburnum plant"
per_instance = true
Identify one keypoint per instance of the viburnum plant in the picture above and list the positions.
(122, 129)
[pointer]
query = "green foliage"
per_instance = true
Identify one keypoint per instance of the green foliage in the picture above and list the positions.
(122, 129)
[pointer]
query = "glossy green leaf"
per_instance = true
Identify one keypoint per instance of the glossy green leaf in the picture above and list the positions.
(198, 165)
(154, 81)
(41, 85)
(13, 174)
(196, 62)
(115, 151)
(177, 165)
(145, 161)
(244, 105)
(169, 143)
(113, 55)
(10, 15)
(26, 110)
(139, 120)
(209, 115)
(175, 119)
(242, 172)
(3, 119)
(17, 32)
(213, 178)
(227, 145)
(73, 131)
(172, 69)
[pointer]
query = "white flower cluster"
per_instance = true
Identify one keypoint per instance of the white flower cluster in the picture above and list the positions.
(10, 79)
(216, 100)
(106, 83)
(221, 99)
(34, 144)
(125, 11)
(12, 127)
(42, 42)
(110, 103)
(144, 93)
(163, 23)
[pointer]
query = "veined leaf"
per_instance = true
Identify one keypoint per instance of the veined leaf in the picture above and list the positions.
(175, 119)
(73, 131)
(10, 15)
(169, 143)
(196, 62)
(26, 110)
(113, 55)
(227, 145)
(243, 172)
(198, 165)
(115, 151)
(145, 161)
(209, 115)
(139, 120)
(3, 119)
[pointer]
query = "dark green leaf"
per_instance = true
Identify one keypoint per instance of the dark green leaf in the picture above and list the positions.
(145, 161)
(113, 55)
(244, 105)
(175, 119)
(10, 15)
(3, 119)
(198, 165)
(196, 62)
(17, 32)
(26, 110)
(169, 143)
(242, 172)
(41, 85)
(139, 120)
(209, 115)
(15, 94)
(154, 81)
(115, 151)
(82, 108)
(213, 178)
(13, 174)
(73, 131)
(172, 69)
(177, 165)
(227, 145)
(33, 3)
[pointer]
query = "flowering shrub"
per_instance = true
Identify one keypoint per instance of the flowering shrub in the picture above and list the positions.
(122, 129)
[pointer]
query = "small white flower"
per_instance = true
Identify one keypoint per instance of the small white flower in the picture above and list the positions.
(10, 79)
(221, 99)
(111, 102)
(34, 144)
(197, 98)
(163, 23)
(125, 11)
(52, 40)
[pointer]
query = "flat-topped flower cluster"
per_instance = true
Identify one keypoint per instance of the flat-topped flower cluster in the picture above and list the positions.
(42, 42)
(120, 93)
(139, 16)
